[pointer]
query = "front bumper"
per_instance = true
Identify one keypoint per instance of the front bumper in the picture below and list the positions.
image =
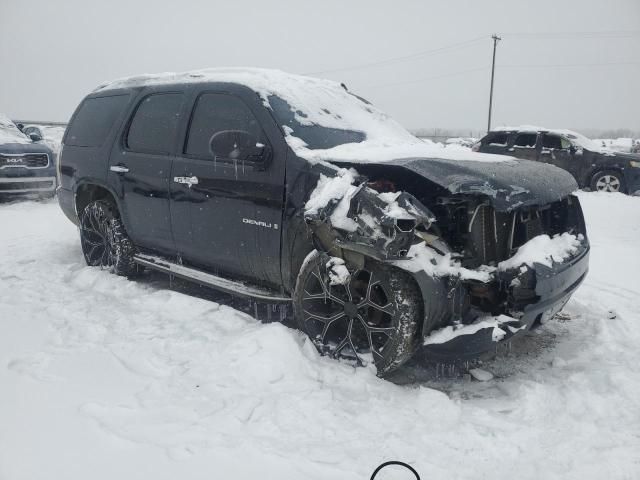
(632, 180)
(553, 288)
(31, 184)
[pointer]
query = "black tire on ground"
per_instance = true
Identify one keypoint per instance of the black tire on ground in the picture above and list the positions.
(608, 181)
(377, 312)
(104, 240)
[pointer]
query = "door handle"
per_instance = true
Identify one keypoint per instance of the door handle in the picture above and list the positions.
(118, 168)
(186, 180)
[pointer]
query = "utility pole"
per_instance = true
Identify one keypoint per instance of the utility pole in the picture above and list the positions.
(493, 69)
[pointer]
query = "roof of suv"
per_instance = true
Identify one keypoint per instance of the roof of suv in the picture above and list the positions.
(314, 102)
(570, 134)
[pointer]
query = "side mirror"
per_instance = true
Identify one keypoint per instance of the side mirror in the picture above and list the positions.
(236, 145)
(35, 137)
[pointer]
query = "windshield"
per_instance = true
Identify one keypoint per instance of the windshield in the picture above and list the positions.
(583, 142)
(327, 118)
(313, 135)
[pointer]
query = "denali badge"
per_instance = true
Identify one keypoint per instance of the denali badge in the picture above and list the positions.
(260, 223)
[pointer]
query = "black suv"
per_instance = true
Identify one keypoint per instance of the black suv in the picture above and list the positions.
(26, 166)
(593, 166)
(285, 188)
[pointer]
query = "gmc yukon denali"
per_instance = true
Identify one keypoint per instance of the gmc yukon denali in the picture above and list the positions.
(289, 189)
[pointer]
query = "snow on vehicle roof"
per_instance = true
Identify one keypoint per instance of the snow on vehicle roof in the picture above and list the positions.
(9, 133)
(319, 102)
(576, 137)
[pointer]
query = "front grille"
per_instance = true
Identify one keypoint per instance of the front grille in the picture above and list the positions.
(496, 236)
(27, 160)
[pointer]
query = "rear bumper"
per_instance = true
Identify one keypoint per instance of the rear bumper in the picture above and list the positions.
(31, 184)
(553, 288)
(632, 180)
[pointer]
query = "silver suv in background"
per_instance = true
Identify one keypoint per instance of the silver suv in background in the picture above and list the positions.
(26, 165)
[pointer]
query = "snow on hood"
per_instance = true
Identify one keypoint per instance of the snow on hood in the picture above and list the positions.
(9, 133)
(314, 102)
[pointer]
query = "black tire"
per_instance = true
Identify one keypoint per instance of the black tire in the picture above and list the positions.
(608, 181)
(377, 311)
(104, 240)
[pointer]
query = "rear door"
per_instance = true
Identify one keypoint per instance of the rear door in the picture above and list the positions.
(140, 168)
(227, 213)
(524, 146)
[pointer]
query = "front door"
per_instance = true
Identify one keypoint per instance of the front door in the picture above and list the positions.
(556, 150)
(140, 169)
(226, 210)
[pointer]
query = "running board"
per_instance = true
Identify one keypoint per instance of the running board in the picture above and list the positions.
(208, 279)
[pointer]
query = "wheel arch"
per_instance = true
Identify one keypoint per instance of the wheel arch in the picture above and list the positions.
(91, 190)
(606, 168)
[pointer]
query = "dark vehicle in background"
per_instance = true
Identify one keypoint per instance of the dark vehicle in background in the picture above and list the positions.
(216, 177)
(26, 165)
(50, 135)
(593, 166)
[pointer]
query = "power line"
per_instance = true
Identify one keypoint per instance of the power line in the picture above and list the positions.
(478, 69)
(401, 58)
(576, 35)
(563, 65)
(451, 74)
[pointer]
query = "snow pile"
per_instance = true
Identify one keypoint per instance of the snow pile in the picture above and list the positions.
(622, 144)
(320, 102)
(331, 189)
(9, 133)
(450, 332)
(103, 378)
(544, 250)
(338, 272)
(423, 257)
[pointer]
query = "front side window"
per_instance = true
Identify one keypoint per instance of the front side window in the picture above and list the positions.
(215, 113)
(155, 122)
(552, 141)
(527, 140)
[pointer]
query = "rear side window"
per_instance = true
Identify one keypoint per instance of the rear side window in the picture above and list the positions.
(216, 112)
(525, 140)
(94, 119)
(155, 122)
(499, 138)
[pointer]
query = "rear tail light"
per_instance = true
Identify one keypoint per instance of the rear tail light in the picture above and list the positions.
(58, 164)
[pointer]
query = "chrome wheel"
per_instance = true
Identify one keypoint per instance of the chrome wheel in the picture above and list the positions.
(608, 183)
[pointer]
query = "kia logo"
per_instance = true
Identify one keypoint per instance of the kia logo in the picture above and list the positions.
(14, 160)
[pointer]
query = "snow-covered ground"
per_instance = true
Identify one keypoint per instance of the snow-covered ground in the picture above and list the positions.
(104, 378)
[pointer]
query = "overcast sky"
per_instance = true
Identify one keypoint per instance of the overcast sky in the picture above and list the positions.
(553, 68)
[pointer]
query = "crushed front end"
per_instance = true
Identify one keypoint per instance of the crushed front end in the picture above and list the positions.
(486, 275)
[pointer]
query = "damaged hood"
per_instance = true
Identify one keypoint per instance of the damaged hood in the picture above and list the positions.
(508, 185)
